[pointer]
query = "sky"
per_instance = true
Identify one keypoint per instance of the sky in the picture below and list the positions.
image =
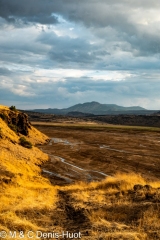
(55, 54)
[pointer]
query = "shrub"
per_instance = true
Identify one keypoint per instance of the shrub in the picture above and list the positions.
(13, 108)
(3, 116)
(13, 127)
(25, 143)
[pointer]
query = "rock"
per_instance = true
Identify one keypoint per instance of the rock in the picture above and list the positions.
(137, 187)
(5, 180)
(147, 187)
(18, 122)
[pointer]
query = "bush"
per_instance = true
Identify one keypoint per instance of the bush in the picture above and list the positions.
(25, 143)
(13, 108)
(13, 127)
(3, 116)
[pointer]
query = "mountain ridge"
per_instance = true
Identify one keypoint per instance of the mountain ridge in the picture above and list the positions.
(91, 108)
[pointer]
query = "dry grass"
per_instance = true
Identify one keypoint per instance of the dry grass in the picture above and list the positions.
(117, 211)
(23, 191)
(3, 107)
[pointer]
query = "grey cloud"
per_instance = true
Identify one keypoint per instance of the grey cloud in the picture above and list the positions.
(48, 49)
(42, 19)
(34, 11)
(132, 87)
(90, 12)
(71, 52)
(74, 90)
(94, 15)
(4, 72)
(109, 35)
(146, 43)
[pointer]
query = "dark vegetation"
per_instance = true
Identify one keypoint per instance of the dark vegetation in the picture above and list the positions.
(13, 108)
(25, 143)
(13, 127)
(130, 120)
(3, 116)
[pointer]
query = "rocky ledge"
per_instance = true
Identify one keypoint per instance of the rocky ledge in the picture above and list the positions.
(16, 120)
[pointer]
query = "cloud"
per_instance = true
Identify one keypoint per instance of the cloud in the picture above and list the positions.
(30, 11)
(4, 72)
(133, 32)
(69, 91)
(57, 53)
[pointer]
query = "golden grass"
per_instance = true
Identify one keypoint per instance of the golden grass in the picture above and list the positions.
(7, 133)
(23, 191)
(4, 107)
(116, 211)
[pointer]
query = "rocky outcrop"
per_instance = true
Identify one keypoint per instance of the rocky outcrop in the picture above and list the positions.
(17, 121)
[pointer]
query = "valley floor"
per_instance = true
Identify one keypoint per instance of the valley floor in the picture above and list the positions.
(124, 205)
(100, 183)
(101, 150)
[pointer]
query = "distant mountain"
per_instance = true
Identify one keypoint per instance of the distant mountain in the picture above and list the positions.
(96, 108)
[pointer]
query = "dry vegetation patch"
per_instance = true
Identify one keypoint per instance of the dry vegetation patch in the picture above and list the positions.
(121, 207)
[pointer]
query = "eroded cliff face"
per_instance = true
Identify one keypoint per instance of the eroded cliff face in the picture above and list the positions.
(16, 124)
(16, 120)
(20, 120)
(15, 159)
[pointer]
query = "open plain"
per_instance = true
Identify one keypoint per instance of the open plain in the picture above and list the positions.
(107, 179)
(100, 150)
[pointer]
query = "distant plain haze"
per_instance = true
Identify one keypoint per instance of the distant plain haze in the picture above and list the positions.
(55, 54)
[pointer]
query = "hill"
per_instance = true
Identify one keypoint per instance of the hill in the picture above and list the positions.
(97, 109)
(20, 179)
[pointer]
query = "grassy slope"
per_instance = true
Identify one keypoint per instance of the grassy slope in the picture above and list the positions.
(110, 209)
(22, 187)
